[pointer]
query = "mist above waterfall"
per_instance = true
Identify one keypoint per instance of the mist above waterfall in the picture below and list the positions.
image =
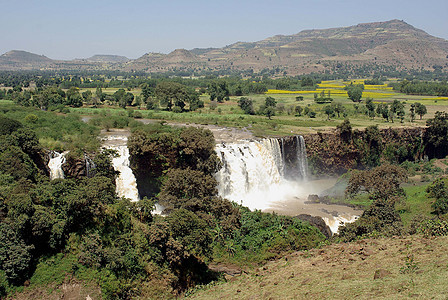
(259, 173)
(272, 175)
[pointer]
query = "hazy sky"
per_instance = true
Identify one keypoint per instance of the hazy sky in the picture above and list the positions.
(63, 29)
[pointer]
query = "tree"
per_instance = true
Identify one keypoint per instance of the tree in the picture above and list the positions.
(329, 111)
(171, 94)
(370, 107)
(307, 81)
(439, 191)
(397, 108)
(87, 96)
(382, 182)
(354, 92)
(246, 105)
(436, 136)
(15, 255)
(218, 90)
(269, 112)
(345, 131)
(268, 109)
(412, 111)
(299, 110)
(420, 109)
(339, 108)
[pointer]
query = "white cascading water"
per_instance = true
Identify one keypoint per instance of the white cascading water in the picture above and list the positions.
(340, 220)
(126, 182)
(55, 165)
(253, 173)
(256, 174)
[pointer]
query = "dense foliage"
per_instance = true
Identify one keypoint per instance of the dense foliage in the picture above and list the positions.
(78, 227)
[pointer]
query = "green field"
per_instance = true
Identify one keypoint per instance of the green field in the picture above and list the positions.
(285, 121)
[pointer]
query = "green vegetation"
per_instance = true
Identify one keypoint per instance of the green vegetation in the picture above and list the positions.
(78, 227)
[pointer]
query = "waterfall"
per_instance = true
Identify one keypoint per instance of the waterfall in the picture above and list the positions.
(90, 165)
(301, 156)
(55, 165)
(255, 173)
(335, 222)
(125, 182)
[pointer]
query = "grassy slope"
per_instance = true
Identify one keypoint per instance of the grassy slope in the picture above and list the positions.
(418, 268)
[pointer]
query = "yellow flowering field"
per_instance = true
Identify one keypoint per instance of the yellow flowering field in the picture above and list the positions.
(377, 87)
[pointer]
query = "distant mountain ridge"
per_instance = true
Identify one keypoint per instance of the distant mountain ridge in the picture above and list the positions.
(392, 43)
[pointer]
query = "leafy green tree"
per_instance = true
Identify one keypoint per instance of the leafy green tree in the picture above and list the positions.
(246, 105)
(171, 94)
(398, 108)
(307, 81)
(354, 92)
(345, 131)
(87, 96)
(329, 111)
(99, 93)
(218, 90)
(420, 109)
(436, 135)
(15, 254)
(439, 191)
(339, 108)
(412, 111)
(370, 107)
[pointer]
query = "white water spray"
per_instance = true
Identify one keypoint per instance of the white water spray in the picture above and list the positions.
(262, 174)
(253, 173)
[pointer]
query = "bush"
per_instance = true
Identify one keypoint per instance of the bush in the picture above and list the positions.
(435, 227)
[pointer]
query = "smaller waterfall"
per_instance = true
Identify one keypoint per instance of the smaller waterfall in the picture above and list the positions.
(335, 222)
(126, 182)
(301, 157)
(55, 165)
(90, 166)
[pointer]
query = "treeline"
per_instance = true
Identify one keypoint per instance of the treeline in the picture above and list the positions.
(422, 88)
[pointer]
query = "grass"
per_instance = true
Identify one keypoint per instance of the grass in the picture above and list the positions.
(347, 271)
(285, 122)
(417, 203)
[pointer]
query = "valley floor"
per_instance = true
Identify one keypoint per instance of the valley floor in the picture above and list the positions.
(384, 268)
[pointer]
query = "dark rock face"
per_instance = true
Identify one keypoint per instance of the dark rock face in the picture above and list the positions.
(317, 222)
(294, 157)
(329, 154)
(75, 167)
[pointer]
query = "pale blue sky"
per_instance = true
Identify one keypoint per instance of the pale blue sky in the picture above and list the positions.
(63, 29)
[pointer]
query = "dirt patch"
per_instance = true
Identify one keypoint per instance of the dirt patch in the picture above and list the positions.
(71, 289)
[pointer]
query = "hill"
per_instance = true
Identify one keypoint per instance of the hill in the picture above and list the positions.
(371, 47)
(103, 58)
(392, 43)
(21, 59)
(389, 268)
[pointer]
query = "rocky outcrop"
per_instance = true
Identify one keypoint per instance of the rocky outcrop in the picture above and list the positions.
(77, 167)
(329, 154)
(316, 222)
